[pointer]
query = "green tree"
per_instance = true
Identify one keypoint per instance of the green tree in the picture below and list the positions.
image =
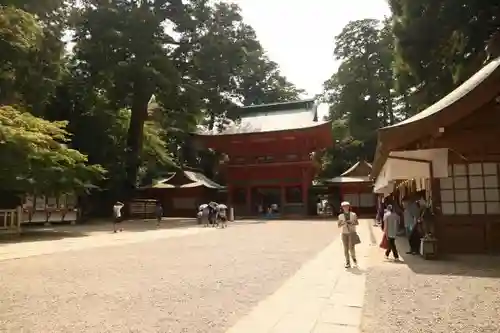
(361, 93)
(125, 48)
(100, 131)
(220, 62)
(31, 51)
(439, 44)
(35, 157)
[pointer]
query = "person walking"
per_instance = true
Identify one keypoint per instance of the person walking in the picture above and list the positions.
(158, 213)
(391, 224)
(117, 215)
(347, 223)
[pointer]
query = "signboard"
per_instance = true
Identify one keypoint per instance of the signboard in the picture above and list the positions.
(62, 201)
(52, 202)
(40, 203)
(29, 202)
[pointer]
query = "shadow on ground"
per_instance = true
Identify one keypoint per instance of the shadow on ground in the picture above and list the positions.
(457, 265)
(40, 233)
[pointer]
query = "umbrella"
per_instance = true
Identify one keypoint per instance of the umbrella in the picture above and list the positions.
(213, 204)
(202, 207)
(222, 206)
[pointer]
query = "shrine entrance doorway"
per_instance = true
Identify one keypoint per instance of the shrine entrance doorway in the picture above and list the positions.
(264, 197)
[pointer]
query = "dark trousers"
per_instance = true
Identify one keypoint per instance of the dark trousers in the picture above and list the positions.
(414, 240)
(392, 248)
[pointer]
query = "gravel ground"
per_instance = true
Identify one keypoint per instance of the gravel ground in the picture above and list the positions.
(459, 295)
(198, 283)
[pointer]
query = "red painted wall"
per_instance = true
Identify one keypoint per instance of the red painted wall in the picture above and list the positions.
(283, 171)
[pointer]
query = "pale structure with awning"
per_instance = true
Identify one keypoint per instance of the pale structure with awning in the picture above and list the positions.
(411, 164)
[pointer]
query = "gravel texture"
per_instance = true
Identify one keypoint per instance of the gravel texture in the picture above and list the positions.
(461, 295)
(198, 283)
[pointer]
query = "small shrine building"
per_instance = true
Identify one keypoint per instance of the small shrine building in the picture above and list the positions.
(180, 194)
(270, 156)
(355, 186)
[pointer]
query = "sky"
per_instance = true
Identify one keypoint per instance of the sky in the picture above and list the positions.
(299, 35)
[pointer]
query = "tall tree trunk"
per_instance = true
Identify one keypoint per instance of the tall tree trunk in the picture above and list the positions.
(390, 110)
(135, 136)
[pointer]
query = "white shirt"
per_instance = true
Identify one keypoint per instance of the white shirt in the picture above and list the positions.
(117, 210)
(391, 224)
(345, 227)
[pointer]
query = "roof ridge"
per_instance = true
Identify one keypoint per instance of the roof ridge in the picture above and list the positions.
(279, 103)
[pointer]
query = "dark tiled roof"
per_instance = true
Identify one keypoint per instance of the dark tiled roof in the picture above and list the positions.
(190, 179)
(273, 117)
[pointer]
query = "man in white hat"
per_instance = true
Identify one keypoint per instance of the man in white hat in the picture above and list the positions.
(347, 223)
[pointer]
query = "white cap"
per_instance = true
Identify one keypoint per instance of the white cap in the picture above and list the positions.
(345, 203)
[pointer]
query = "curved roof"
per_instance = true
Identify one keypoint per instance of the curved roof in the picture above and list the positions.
(274, 123)
(272, 118)
(478, 90)
(186, 179)
(454, 96)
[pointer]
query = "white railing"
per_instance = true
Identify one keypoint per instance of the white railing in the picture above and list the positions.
(10, 220)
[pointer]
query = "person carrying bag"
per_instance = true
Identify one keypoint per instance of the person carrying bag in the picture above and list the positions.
(347, 223)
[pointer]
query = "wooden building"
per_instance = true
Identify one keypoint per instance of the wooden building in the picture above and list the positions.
(453, 147)
(270, 156)
(356, 186)
(182, 193)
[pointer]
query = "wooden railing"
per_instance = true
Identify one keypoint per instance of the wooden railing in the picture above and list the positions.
(10, 220)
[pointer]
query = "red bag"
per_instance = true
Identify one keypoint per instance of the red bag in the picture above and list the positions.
(384, 243)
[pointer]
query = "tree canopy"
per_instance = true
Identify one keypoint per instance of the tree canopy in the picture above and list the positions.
(392, 69)
(118, 86)
(361, 93)
(440, 44)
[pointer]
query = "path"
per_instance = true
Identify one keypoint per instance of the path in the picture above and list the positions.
(322, 297)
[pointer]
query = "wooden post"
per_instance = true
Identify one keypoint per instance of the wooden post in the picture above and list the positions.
(19, 218)
(282, 199)
(305, 192)
(229, 197)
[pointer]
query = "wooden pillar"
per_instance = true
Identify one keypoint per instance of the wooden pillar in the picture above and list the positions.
(305, 191)
(249, 200)
(229, 196)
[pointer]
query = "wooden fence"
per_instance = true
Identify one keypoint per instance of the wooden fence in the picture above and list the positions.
(10, 220)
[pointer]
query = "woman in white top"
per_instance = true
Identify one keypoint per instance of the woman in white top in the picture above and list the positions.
(347, 223)
(117, 215)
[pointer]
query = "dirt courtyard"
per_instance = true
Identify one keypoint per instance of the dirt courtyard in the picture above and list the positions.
(198, 282)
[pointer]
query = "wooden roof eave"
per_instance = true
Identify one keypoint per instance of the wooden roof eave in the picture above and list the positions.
(481, 88)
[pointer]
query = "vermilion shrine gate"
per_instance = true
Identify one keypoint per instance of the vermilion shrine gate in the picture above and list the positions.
(270, 156)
